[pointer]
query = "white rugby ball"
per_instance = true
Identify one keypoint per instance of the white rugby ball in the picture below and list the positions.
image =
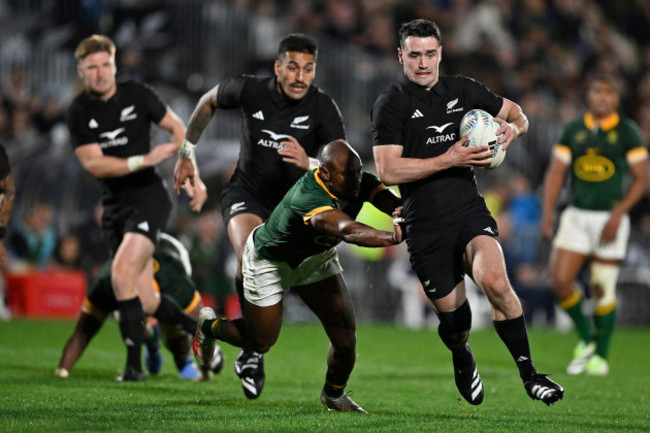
(481, 128)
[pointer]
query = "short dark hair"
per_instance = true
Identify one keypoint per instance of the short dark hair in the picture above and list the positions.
(299, 43)
(601, 77)
(419, 28)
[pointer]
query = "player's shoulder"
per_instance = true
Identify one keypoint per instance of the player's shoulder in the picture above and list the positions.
(459, 81)
(627, 123)
(134, 89)
(394, 95)
(308, 193)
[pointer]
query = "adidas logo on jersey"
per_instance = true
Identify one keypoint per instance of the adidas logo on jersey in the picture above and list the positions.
(489, 230)
(417, 113)
(144, 226)
(93, 124)
(259, 115)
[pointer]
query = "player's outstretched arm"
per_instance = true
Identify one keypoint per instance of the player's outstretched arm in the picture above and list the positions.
(339, 224)
(86, 328)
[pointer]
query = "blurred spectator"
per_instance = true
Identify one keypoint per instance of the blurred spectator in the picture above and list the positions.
(33, 240)
(67, 255)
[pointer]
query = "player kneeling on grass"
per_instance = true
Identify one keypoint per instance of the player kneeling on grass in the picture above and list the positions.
(296, 248)
(172, 279)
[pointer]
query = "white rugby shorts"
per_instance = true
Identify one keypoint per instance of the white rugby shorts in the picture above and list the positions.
(580, 230)
(266, 281)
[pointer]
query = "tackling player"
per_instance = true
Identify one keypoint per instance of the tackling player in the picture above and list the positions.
(450, 231)
(598, 149)
(286, 121)
(295, 248)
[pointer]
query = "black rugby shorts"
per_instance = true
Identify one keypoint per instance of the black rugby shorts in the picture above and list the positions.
(437, 254)
(147, 214)
(236, 200)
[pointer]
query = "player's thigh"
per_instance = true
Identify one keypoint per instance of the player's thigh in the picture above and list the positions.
(133, 257)
(330, 300)
(239, 228)
(564, 267)
(484, 257)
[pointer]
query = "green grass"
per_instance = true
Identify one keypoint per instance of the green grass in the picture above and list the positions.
(402, 377)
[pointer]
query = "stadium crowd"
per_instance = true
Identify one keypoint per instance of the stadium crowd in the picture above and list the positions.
(536, 52)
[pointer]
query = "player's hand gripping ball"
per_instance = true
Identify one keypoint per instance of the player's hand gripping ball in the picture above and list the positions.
(481, 128)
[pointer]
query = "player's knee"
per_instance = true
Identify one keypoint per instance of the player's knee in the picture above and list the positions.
(561, 285)
(455, 325)
(498, 290)
(345, 342)
(603, 281)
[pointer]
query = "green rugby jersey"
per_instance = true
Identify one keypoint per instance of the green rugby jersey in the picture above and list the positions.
(287, 236)
(599, 154)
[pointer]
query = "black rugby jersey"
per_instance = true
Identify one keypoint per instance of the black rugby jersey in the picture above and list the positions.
(426, 124)
(5, 168)
(268, 118)
(122, 127)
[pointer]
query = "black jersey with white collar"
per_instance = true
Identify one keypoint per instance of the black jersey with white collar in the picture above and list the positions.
(122, 128)
(426, 124)
(268, 118)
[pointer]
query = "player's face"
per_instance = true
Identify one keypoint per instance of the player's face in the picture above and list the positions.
(295, 72)
(602, 99)
(345, 179)
(97, 71)
(420, 58)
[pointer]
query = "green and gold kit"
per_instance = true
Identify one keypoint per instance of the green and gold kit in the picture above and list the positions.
(288, 236)
(599, 154)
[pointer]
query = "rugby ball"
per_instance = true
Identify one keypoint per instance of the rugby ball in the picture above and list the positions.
(481, 128)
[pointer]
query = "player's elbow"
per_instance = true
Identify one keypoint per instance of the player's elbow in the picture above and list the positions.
(386, 175)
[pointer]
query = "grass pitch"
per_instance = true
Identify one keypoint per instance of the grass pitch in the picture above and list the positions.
(403, 378)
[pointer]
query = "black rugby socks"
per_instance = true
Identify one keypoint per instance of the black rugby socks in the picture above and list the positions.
(132, 330)
(514, 335)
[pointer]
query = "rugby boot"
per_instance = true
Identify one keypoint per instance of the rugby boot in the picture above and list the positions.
(249, 366)
(468, 381)
(204, 346)
(581, 355)
(540, 387)
(342, 404)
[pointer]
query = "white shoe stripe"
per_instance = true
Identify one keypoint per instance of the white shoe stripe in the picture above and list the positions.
(477, 391)
(249, 384)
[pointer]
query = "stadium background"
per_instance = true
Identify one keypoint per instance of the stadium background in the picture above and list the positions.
(536, 52)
